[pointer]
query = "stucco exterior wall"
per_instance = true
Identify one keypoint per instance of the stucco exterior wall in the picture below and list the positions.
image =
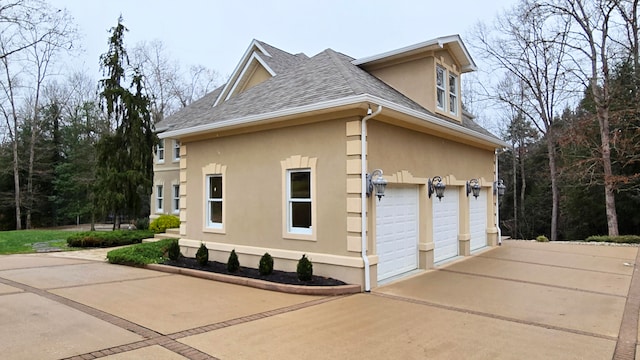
(253, 187)
(166, 173)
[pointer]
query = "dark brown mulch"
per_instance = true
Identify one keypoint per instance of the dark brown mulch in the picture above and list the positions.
(281, 277)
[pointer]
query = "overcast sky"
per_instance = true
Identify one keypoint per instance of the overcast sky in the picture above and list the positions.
(216, 33)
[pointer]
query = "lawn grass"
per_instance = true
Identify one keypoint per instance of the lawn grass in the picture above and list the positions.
(21, 241)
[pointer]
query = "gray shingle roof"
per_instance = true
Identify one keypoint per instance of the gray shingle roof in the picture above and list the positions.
(299, 81)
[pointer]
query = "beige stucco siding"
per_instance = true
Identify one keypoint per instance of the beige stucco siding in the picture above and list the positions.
(412, 78)
(253, 193)
(393, 149)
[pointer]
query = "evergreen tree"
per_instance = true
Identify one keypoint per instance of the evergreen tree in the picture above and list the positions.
(124, 156)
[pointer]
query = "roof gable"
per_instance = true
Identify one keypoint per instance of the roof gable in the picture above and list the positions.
(453, 43)
(259, 62)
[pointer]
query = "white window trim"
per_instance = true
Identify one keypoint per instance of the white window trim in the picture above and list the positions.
(208, 171)
(175, 198)
(160, 152)
(290, 228)
(159, 198)
(292, 164)
(455, 94)
(442, 88)
(176, 150)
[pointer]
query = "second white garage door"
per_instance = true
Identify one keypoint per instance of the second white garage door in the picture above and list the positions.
(478, 220)
(397, 231)
(445, 225)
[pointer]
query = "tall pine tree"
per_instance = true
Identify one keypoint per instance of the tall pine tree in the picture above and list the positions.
(124, 156)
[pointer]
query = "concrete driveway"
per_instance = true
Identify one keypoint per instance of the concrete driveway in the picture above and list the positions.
(522, 300)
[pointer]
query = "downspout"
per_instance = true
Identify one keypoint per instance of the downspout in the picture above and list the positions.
(363, 207)
(495, 187)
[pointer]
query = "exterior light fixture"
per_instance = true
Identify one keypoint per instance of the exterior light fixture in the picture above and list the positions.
(499, 187)
(379, 183)
(473, 186)
(437, 186)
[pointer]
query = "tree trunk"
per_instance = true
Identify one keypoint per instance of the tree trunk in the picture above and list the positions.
(609, 186)
(555, 194)
(523, 181)
(514, 168)
(16, 181)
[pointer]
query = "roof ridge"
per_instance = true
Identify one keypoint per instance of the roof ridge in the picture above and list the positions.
(353, 83)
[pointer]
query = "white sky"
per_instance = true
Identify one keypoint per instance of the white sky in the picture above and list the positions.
(216, 33)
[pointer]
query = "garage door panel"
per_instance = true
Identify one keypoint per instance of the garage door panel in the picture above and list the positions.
(478, 220)
(445, 225)
(397, 231)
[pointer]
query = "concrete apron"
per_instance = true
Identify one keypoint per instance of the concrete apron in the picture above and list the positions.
(521, 300)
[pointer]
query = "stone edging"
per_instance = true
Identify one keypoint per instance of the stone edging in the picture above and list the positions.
(260, 284)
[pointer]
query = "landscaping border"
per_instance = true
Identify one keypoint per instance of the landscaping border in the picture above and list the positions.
(260, 284)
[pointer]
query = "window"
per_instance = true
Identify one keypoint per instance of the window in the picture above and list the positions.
(214, 201)
(440, 87)
(453, 94)
(176, 150)
(176, 199)
(160, 152)
(159, 198)
(299, 201)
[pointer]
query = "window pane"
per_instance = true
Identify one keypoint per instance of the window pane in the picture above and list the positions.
(440, 98)
(215, 187)
(440, 77)
(176, 191)
(453, 84)
(215, 212)
(301, 185)
(301, 214)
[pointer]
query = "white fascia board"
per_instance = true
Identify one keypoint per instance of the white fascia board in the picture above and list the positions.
(325, 105)
(235, 75)
(254, 56)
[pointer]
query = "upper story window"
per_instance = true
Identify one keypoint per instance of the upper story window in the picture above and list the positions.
(447, 90)
(176, 150)
(160, 151)
(440, 87)
(453, 94)
(175, 204)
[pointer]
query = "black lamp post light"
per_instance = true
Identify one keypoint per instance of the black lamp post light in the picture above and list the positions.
(436, 186)
(378, 183)
(473, 186)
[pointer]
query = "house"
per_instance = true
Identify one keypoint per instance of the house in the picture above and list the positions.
(274, 161)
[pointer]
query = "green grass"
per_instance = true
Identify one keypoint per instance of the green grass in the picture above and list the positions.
(21, 241)
(140, 254)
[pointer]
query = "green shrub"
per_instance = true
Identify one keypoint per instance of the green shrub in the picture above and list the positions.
(173, 251)
(107, 238)
(202, 255)
(233, 264)
(266, 264)
(142, 223)
(164, 222)
(140, 254)
(626, 239)
(304, 269)
(542, 238)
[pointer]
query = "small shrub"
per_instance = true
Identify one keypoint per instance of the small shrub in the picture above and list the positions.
(542, 238)
(107, 238)
(233, 264)
(621, 239)
(304, 269)
(164, 222)
(140, 254)
(266, 264)
(202, 255)
(173, 251)
(142, 223)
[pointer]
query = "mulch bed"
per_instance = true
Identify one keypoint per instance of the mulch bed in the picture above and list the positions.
(281, 277)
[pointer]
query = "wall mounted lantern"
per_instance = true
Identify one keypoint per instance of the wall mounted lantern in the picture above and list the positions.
(436, 186)
(473, 186)
(499, 187)
(379, 183)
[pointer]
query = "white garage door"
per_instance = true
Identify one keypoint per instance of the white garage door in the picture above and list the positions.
(397, 231)
(445, 225)
(478, 220)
